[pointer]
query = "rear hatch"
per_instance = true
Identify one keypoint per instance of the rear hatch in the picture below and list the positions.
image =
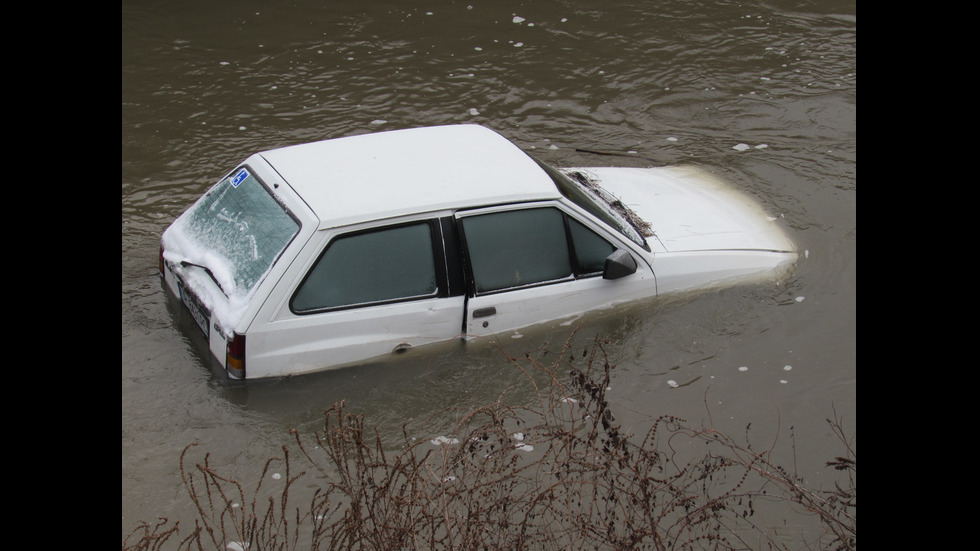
(218, 251)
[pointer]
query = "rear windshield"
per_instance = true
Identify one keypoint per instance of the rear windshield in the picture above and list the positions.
(236, 231)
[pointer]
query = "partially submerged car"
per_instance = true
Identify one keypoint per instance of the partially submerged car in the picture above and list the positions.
(327, 254)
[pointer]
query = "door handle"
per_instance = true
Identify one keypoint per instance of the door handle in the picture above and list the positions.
(484, 312)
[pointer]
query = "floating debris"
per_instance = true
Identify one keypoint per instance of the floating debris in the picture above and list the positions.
(631, 217)
(745, 146)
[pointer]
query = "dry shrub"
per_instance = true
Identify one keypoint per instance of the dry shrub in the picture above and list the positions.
(559, 475)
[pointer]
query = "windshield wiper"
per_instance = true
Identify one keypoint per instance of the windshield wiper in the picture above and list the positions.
(185, 263)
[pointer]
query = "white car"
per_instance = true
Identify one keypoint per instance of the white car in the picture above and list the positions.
(327, 254)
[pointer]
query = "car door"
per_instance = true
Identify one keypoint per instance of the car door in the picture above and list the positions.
(532, 264)
(369, 292)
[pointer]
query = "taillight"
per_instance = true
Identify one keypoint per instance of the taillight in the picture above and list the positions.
(235, 356)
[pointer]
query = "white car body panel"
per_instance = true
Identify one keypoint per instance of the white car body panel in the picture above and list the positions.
(389, 174)
(690, 209)
(286, 343)
(704, 230)
(701, 233)
(301, 344)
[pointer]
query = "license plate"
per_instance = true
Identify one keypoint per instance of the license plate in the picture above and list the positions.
(194, 306)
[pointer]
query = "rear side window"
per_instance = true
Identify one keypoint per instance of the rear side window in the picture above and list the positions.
(237, 230)
(518, 248)
(379, 266)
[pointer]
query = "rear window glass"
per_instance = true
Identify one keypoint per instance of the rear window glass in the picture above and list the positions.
(237, 231)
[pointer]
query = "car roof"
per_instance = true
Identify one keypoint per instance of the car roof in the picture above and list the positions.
(399, 172)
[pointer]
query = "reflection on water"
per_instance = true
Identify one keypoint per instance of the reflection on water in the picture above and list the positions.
(207, 84)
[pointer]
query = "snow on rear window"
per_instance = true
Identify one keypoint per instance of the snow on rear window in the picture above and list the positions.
(233, 234)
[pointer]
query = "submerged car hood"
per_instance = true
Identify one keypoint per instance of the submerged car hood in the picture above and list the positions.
(689, 209)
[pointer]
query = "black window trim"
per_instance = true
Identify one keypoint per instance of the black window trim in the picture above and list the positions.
(451, 257)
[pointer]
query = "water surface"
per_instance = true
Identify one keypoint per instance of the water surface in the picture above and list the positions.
(760, 93)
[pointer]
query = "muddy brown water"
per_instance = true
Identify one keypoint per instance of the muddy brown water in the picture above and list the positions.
(760, 93)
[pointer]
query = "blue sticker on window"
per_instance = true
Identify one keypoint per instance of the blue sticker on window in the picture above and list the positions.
(239, 178)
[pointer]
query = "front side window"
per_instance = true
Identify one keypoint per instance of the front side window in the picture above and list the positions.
(517, 248)
(379, 266)
(590, 249)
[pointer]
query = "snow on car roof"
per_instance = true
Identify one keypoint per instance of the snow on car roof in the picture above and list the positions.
(386, 174)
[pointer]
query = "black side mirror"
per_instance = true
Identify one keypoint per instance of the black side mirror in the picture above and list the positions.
(619, 264)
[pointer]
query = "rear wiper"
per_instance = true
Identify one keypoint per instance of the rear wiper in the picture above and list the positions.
(184, 264)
